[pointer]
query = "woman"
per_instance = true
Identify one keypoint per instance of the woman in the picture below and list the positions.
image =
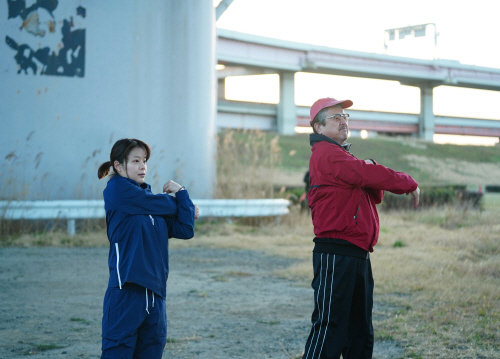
(139, 224)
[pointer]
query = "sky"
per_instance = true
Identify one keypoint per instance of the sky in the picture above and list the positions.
(467, 32)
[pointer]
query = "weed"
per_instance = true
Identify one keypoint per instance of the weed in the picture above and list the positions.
(272, 322)
(238, 274)
(246, 164)
(398, 244)
(383, 335)
(80, 320)
(45, 347)
(414, 355)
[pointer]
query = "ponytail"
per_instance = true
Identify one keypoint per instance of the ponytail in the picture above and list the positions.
(104, 169)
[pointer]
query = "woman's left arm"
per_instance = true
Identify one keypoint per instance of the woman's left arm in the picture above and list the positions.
(182, 225)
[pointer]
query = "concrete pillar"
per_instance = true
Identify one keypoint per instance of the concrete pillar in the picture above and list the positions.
(221, 89)
(426, 118)
(143, 70)
(192, 94)
(287, 116)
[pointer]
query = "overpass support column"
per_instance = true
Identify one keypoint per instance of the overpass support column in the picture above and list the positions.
(287, 116)
(221, 89)
(426, 119)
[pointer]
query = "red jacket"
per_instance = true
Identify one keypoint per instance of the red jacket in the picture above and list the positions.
(344, 190)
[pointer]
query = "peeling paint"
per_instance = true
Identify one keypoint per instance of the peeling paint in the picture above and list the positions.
(18, 7)
(32, 24)
(52, 26)
(81, 11)
(67, 59)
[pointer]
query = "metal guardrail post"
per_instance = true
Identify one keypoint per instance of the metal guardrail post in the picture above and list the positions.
(71, 227)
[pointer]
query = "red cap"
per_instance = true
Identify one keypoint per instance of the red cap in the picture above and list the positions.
(327, 102)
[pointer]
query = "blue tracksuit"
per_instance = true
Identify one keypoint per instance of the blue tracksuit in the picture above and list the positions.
(139, 224)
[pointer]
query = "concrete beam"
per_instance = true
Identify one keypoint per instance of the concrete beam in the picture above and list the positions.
(242, 71)
(368, 120)
(257, 51)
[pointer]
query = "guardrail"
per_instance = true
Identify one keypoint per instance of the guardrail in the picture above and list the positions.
(71, 210)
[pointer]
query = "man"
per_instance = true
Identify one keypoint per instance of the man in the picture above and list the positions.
(342, 197)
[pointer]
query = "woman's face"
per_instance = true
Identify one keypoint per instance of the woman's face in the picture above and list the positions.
(136, 166)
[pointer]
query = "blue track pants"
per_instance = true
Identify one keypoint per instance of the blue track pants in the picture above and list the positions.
(134, 323)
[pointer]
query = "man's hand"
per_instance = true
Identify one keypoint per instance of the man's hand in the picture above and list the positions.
(196, 212)
(416, 197)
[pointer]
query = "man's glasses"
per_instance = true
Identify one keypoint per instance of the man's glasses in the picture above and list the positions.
(339, 116)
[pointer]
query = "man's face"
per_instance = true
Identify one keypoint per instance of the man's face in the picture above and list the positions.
(335, 129)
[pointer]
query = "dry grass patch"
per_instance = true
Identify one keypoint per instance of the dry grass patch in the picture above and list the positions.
(246, 164)
(57, 238)
(443, 283)
(439, 284)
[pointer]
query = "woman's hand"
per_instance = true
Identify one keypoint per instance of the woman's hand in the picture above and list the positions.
(171, 187)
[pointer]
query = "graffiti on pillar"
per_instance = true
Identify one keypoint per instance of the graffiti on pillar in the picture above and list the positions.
(47, 37)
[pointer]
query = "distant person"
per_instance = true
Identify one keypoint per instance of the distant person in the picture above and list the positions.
(139, 224)
(304, 199)
(342, 196)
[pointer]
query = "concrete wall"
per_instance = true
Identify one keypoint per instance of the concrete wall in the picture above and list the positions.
(110, 70)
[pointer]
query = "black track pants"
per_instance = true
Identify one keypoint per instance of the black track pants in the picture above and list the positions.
(343, 302)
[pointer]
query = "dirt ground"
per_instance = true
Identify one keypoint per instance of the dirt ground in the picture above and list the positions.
(221, 304)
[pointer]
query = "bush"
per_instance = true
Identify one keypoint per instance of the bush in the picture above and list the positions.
(492, 188)
(434, 196)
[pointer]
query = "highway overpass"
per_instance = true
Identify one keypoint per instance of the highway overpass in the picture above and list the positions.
(245, 54)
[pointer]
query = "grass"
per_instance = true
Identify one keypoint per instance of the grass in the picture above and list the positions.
(450, 278)
(44, 347)
(56, 238)
(272, 322)
(457, 164)
(37, 348)
(80, 320)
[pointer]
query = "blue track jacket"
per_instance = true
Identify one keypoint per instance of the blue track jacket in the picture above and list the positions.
(139, 224)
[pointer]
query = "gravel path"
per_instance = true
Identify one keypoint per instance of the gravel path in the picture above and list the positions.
(220, 303)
